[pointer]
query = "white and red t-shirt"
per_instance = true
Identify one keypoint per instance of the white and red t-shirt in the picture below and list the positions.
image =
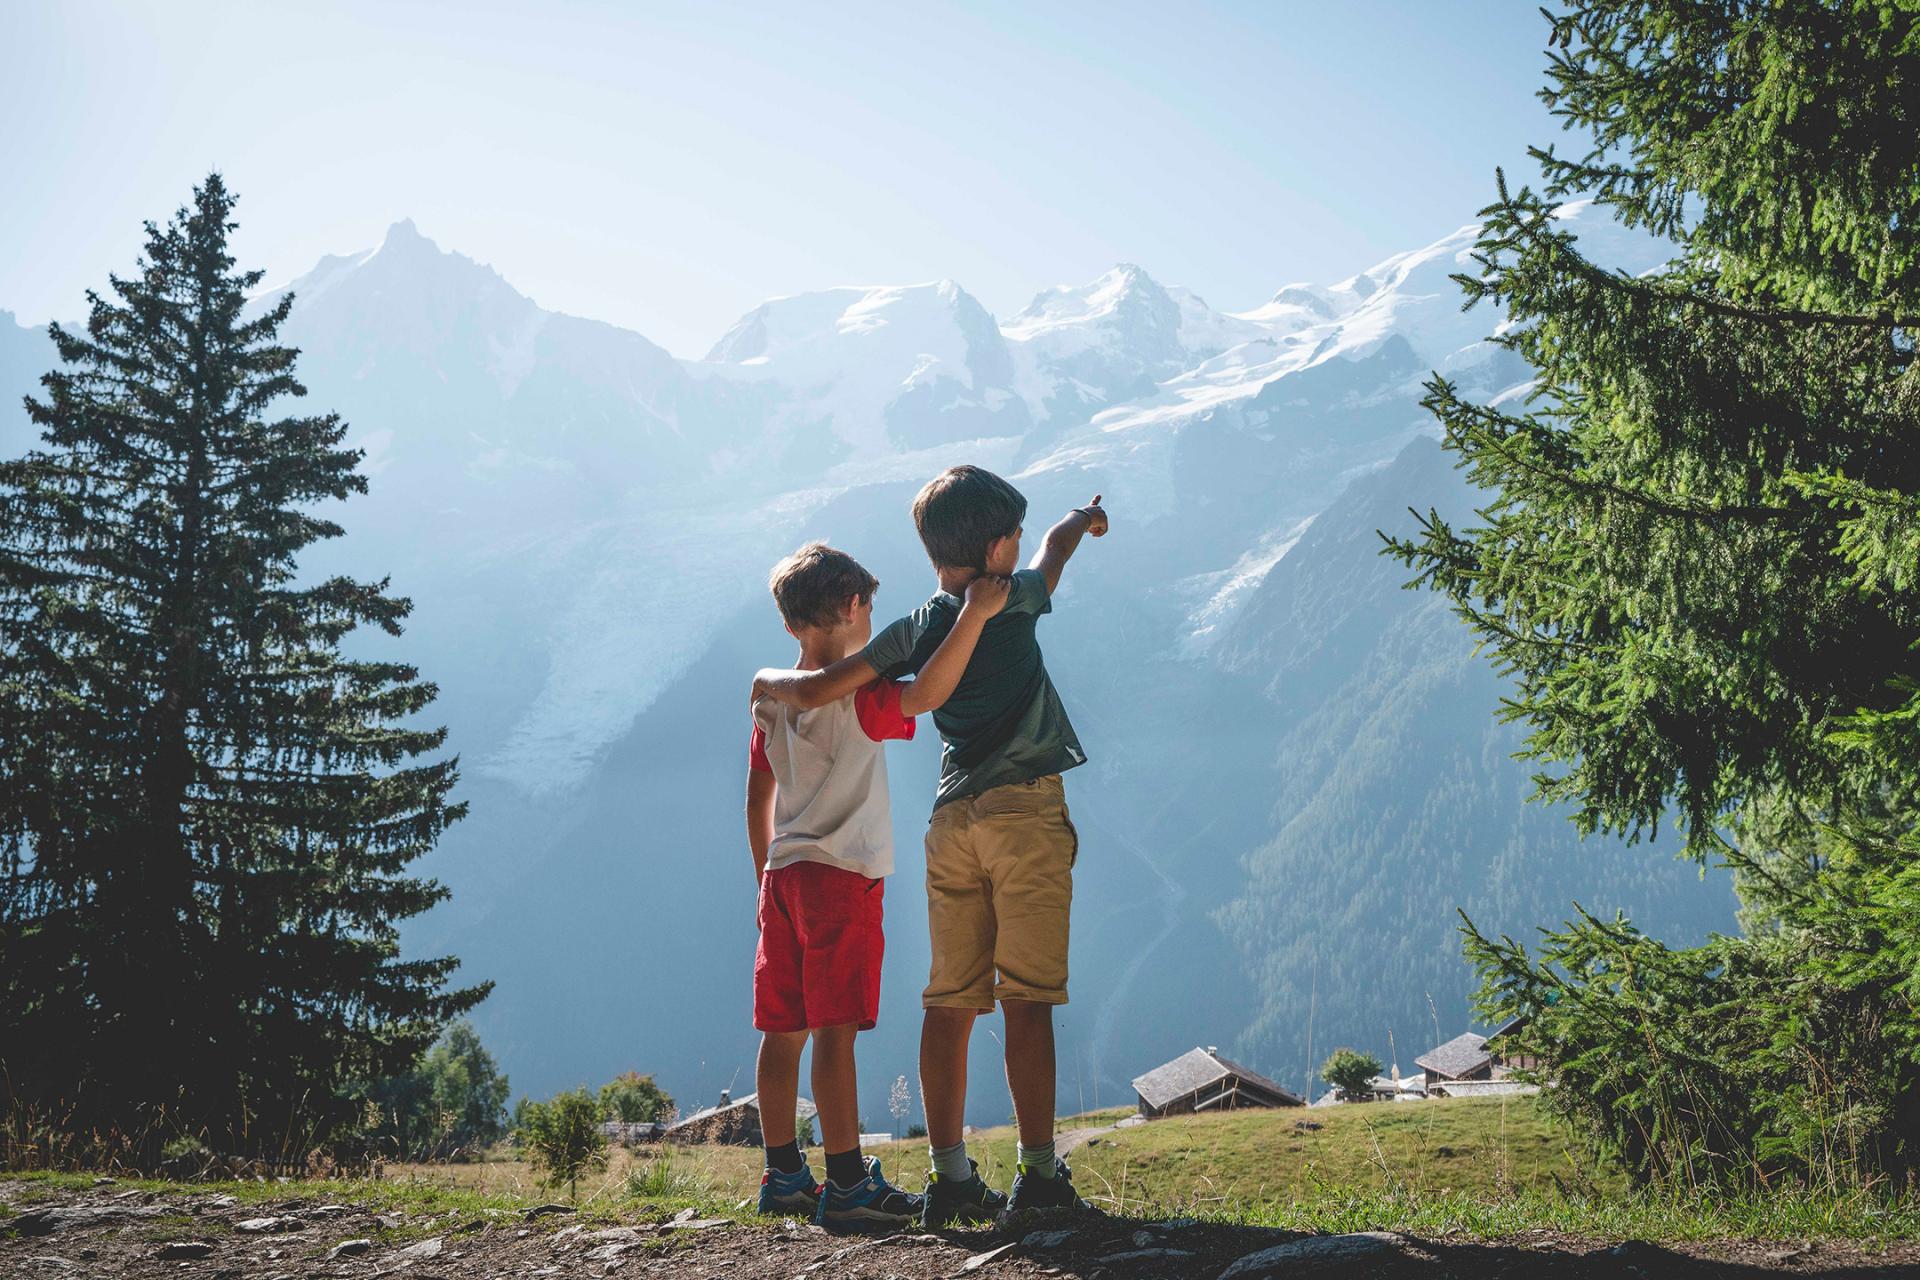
(831, 778)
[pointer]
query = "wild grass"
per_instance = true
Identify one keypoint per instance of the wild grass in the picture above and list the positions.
(1482, 1168)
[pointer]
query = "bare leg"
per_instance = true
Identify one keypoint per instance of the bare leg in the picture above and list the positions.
(1030, 1068)
(836, 1089)
(943, 1072)
(777, 1077)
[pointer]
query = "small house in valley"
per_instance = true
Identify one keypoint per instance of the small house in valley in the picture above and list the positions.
(734, 1123)
(1205, 1080)
(1469, 1065)
(1464, 1057)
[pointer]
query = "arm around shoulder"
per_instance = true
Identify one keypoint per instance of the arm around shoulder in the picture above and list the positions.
(809, 689)
(986, 596)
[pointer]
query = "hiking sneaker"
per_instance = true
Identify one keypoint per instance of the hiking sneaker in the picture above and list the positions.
(793, 1193)
(1032, 1192)
(949, 1202)
(873, 1204)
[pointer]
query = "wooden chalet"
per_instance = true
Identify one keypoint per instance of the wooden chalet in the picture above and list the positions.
(1472, 1064)
(1204, 1080)
(1464, 1057)
(731, 1123)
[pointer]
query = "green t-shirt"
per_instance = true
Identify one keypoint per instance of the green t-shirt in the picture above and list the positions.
(1004, 722)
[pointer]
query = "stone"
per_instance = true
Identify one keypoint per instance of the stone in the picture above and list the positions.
(684, 1223)
(222, 1202)
(1043, 1240)
(264, 1226)
(542, 1210)
(185, 1249)
(988, 1258)
(106, 1182)
(606, 1252)
(610, 1235)
(349, 1249)
(1145, 1239)
(1135, 1255)
(428, 1248)
(1311, 1253)
(44, 1222)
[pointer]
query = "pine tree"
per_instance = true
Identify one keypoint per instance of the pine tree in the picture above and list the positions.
(1697, 563)
(208, 811)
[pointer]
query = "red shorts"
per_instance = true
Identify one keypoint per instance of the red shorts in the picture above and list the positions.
(820, 949)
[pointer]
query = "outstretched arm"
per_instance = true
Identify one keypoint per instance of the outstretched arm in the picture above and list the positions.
(986, 596)
(809, 689)
(1064, 538)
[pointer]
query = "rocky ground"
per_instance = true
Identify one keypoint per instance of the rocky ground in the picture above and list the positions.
(108, 1232)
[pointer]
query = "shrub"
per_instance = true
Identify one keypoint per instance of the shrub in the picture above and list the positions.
(1350, 1071)
(562, 1138)
(634, 1099)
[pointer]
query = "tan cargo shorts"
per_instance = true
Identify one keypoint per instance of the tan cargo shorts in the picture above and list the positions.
(999, 894)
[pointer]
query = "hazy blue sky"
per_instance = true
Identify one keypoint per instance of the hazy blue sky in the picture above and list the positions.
(666, 167)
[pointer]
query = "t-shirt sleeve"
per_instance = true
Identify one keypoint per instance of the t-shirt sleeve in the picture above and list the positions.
(757, 761)
(878, 707)
(1028, 593)
(891, 652)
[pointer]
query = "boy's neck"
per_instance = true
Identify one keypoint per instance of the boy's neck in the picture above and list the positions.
(954, 581)
(821, 649)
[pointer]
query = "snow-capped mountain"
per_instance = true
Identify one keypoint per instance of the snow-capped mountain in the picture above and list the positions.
(585, 525)
(865, 374)
(1083, 349)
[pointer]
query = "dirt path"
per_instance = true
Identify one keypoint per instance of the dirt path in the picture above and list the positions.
(1067, 1140)
(108, 1234)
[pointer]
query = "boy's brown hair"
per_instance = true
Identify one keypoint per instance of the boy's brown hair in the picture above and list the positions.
(962, 510)
(811, 585)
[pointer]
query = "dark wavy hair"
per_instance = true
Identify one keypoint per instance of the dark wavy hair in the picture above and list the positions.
(962, 510)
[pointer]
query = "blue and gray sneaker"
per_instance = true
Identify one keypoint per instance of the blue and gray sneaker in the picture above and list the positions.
(1031, 1191)
(873, 1204)
(950, 1203)
(789, 1193)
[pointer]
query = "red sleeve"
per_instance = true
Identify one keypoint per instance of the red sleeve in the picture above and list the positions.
(757, 761)
(878, 707)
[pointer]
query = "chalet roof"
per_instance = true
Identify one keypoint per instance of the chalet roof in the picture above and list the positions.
(1457, 1056)
(1511, 1024)
(736, 1104)
(1195, 1070)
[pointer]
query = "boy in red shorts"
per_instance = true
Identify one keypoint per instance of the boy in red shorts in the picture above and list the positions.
(821, 832)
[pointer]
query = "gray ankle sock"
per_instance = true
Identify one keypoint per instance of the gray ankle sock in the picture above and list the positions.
(1037, 1161)
(951, 1162)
